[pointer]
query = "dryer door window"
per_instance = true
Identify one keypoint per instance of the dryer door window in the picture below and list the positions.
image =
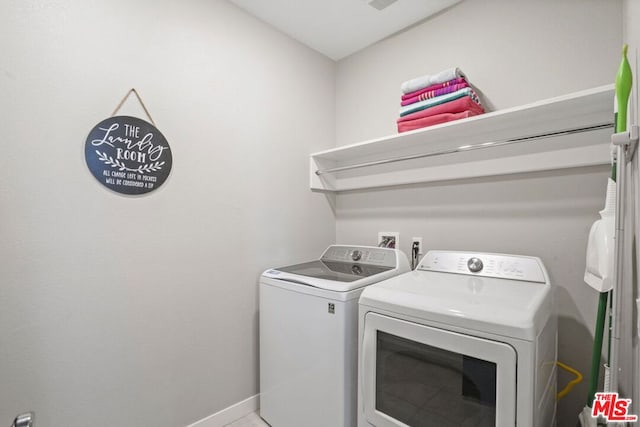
(422, 376)
(422, 385)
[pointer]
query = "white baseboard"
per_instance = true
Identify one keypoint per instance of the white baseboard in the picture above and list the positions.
(230, 414)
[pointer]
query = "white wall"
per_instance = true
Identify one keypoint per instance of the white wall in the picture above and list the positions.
(514, 52)
(120, 311)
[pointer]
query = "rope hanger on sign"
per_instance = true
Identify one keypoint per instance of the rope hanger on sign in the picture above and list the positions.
(144, 107)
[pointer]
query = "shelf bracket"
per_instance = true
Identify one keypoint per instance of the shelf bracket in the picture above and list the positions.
(628, 140)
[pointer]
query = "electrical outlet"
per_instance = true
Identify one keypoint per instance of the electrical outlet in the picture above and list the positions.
(417, 240)
(416, 251)
(389, 239)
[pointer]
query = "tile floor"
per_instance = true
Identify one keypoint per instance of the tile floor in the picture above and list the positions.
(251, 420)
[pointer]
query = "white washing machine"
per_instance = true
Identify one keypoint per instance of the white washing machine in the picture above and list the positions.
(466, 339)
(309, 335)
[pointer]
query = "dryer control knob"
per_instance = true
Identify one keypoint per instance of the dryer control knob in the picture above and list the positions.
(475, 265)
(356, 255)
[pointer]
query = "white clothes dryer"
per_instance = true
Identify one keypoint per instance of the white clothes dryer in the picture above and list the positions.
(466, 339)
(309, 335)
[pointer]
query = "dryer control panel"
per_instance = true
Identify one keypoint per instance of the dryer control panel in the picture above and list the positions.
(501, 266)
(381, 257)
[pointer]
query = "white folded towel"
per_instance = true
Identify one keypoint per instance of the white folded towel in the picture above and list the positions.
(429, 80)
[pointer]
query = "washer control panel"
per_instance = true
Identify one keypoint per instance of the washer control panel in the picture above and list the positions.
(501, 266)
(362, 255)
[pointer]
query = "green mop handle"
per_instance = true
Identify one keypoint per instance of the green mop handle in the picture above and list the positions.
(623, 90)
(597, 348)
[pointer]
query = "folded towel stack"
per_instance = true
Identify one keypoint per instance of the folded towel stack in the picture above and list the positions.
(439, 98)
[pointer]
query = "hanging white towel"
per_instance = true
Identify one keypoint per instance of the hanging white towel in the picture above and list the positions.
(430, 80)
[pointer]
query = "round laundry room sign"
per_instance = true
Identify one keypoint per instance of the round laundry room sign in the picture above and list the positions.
(128, 155)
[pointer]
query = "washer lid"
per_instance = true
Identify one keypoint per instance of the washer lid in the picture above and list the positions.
(344, 268)
(334, 270)
(508, 307)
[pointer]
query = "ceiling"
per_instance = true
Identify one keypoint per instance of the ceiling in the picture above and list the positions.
(338, 28)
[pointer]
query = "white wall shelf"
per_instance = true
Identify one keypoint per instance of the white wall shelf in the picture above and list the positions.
(565, 132)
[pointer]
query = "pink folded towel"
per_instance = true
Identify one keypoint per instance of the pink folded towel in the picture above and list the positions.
(434, 120)
(426, 94)
(456, 106)
(457, 81)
